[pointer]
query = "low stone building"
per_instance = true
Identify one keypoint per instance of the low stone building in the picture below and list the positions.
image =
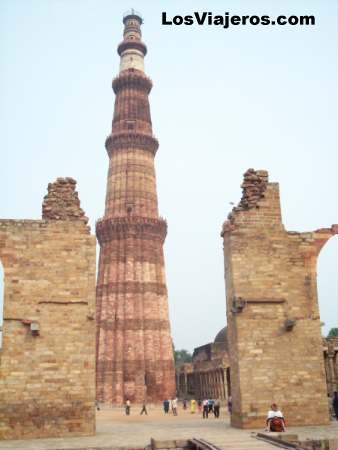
(208, 376)
(47, 359)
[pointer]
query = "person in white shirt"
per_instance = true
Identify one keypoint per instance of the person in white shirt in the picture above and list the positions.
(128, 407)
(275, 419)
(174, 406)
(205, 408)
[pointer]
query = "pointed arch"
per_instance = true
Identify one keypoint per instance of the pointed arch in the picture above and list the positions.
(327, 284)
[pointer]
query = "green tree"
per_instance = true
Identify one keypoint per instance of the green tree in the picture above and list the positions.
(333, 333)
(182, 356)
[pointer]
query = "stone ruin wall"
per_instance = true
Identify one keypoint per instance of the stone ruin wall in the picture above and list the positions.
(331, 364)
(47, 360)
(276, 352)
(188, 374)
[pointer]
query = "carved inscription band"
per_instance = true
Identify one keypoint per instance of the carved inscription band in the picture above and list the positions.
(131, 287)
(134, 324)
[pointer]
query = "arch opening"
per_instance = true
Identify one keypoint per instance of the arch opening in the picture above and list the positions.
(327, 285)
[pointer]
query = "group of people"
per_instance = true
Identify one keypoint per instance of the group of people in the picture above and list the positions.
(170, 405)
(274, 422)
(211, 406)
(127, 408)
(206, 407)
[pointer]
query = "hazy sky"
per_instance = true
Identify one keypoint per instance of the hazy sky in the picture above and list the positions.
(223, 101)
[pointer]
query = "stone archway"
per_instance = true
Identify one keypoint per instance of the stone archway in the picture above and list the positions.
(272, 309)
(327, 286)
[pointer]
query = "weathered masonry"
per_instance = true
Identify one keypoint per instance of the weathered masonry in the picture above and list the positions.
(208, 376)
(275, 344)
(331, 364)
(134, 347)
(47, 365)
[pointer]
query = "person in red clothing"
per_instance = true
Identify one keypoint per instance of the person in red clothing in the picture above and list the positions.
(275, 419)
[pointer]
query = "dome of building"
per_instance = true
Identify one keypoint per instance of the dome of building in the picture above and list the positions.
(221, 336)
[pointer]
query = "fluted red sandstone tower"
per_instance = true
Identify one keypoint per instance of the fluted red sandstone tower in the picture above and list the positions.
(134, 348)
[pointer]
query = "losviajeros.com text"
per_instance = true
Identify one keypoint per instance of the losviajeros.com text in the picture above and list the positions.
(226, 20)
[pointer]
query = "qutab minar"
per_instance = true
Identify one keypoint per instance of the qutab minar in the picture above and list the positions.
(134, 346)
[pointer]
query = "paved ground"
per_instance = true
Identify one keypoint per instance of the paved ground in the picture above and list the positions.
(114, 429)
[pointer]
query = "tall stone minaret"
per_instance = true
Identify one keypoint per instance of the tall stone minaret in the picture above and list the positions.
(134, 347)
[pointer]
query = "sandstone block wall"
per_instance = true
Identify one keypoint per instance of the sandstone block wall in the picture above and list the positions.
(47, 361)
(275, 343)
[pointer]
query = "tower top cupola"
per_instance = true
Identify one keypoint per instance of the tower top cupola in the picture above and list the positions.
(132, 50)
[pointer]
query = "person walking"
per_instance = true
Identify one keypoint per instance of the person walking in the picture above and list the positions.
(127, 407)
(217, 406)
(192, 406)
(166, 405)
(230, 404)
(205, 405)
(335, 403)
(210, 405)
(174, 406)
(144, 408)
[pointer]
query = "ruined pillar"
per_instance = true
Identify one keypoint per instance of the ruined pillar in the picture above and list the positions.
(197, 384)
(275, 343)
(220, 384)
(202, 385)
(217, 393)
(185, 383)
(226, 382)
(330, 358)
(225, 393)
(213, 384)
(47, 360)
(134, 347)
(200, 393)
(208, 384)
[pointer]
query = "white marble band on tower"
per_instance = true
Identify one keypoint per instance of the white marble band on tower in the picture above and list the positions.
(132, 50)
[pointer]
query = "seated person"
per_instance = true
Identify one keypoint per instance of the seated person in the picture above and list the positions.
(275, 420)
